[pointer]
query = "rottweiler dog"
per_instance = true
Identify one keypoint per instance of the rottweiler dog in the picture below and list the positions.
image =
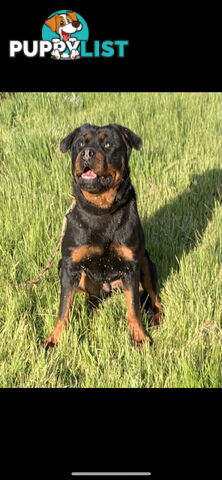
(104, 243)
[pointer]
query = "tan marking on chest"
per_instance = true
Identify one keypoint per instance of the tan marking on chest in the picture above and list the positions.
(85, 251)
(103, 199)
(124, 252)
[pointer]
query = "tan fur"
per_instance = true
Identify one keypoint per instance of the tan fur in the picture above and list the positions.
(60, 323)
(80, 253)
(105, 199)
(134, 321)
(54, 22)
(102, 199)
(125, 252)
(88, 136)
(72, 15)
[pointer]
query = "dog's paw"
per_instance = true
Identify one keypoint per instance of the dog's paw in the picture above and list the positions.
(49, 343)
(140, 337)
(140, 344)
(74, 54)
(154, 322)
(156, 319)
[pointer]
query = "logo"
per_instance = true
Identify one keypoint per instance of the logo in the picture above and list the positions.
(65, 34)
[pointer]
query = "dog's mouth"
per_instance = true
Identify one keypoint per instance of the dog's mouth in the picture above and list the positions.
(88, 174)
(65, 35)
(92, 179)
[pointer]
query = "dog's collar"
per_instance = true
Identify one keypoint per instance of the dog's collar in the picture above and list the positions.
(125, 192)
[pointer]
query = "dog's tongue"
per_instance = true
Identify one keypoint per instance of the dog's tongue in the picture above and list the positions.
(65, 36)
(89, 174)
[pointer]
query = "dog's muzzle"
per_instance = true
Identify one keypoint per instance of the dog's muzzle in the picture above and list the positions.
(87, 154)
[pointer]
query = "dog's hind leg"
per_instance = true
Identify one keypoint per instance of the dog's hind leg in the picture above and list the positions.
(149, 284)
(95, 291)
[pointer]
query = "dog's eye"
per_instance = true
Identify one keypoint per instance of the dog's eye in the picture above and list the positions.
(107, 145)
(81, 143)
(69, 20)
(62, 22)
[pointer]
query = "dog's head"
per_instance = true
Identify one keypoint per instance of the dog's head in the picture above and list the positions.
(64, 24)
(100, 155)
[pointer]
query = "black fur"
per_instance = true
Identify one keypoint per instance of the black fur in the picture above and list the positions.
(119, 223)
(100, 155)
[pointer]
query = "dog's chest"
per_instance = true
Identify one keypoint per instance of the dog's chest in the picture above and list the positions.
(105, 267)
(104, 250)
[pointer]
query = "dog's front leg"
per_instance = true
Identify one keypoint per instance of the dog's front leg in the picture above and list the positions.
(57, 54)
(68, 290)
(72, 45)
(58, 47)
(131, 289)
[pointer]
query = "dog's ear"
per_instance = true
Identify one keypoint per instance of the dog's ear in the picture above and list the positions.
(51, 22)
(131, 138)
(75, 21)
(73, 16)
(66, 143)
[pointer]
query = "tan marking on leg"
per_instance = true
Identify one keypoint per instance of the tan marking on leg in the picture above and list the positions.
(93, 290)
(88, 286)
(134, 320)
(117, 284)
(51, 341)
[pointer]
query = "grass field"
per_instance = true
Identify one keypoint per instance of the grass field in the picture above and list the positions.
(178, 179)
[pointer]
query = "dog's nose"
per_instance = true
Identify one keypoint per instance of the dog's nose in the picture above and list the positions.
(75, 23)
(87, 153)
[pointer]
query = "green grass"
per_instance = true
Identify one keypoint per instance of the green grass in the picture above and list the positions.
(178, 178)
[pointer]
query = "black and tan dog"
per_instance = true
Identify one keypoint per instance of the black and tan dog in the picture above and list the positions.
(104, 241)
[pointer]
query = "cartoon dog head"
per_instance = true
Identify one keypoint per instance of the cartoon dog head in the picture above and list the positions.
(64, 24)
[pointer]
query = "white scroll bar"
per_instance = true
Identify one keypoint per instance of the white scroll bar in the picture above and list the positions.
(111, 474)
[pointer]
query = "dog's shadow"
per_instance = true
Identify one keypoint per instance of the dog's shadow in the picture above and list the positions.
(177, 226)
